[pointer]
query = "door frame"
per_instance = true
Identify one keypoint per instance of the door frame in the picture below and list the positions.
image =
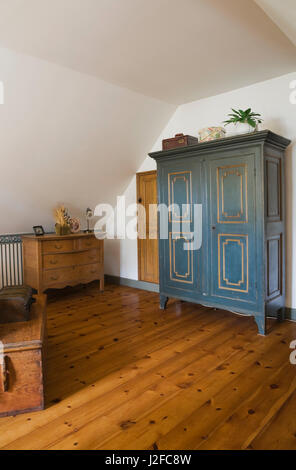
(138, 175)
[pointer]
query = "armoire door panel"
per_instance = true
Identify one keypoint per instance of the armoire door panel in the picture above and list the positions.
(232, 230)
(181, 257)
(273, 189)
(233, 262)
(274, 271)
(232, 187)
(180, 195)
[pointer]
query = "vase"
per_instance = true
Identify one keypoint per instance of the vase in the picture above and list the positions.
(240, 128)
(62, 229)
(243, 128)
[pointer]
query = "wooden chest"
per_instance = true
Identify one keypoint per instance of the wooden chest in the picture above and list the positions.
(53, 261)
(22, 363)
(180, 140)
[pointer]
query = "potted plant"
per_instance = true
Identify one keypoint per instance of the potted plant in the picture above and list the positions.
(244, 121)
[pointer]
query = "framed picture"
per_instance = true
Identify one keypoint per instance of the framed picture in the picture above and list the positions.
(75, 225)
(38, 230)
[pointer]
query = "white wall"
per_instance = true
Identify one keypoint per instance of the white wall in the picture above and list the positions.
(271, 99)
(121, 256)
(66, 137)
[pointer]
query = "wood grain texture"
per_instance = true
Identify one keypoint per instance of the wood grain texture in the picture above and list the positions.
(123, 374)
(26, 333)
(22, 365)
(147, 227)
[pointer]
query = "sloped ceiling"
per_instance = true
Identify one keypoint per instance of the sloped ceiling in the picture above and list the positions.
(173, 50)
(69, 138)
(283, 13)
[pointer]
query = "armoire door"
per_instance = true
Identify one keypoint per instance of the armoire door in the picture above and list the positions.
(232, 230)
(181, 189)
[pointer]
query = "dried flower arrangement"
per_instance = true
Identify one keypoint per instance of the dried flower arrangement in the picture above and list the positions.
(62, 218)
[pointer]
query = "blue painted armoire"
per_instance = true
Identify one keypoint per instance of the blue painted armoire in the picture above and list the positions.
(226, 201)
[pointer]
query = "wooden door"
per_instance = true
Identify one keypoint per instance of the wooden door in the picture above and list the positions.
(148, 246)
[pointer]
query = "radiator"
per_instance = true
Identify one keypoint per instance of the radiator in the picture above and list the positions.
(11, 260)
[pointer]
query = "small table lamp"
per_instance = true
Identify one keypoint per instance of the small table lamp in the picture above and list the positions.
(89, 214)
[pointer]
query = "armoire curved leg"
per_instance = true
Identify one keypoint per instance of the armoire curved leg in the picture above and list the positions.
(261, 323)
(163, 300)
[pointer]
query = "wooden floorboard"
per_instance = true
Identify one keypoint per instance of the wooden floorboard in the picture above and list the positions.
(122, 374)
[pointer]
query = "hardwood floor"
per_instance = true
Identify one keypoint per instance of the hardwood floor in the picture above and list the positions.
(123, 374)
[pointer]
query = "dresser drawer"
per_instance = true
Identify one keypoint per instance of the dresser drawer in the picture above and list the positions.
(57, 276)
(64, 260)
(90, 272)
(57, 246)
(73, 274)
(88, 243)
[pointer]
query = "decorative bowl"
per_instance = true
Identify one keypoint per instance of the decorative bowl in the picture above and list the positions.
(211, 133)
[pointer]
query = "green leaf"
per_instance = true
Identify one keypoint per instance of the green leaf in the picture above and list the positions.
(251, 122)
(242, 116)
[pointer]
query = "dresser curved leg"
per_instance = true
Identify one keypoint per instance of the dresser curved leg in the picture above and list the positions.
(163, 300)
(261, 324)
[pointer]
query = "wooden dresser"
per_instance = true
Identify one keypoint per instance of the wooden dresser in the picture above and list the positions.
(22, 362)
(52, 261)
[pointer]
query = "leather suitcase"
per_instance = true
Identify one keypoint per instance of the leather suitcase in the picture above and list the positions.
(15, 304)
(180, 140)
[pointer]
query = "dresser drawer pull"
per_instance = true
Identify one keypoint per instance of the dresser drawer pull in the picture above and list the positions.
(53, 261)
(93, 271)
(88, 243)
(53, 278)
(5, 373)
(91, 257)
(58, 247)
